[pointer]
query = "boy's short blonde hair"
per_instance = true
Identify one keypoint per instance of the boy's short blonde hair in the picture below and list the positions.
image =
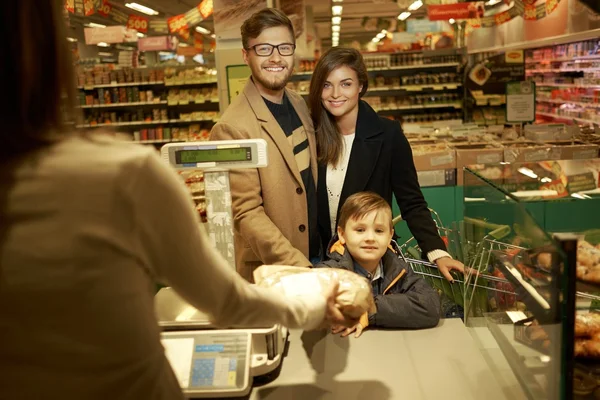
(360, 204)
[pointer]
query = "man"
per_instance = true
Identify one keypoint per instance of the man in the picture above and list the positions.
(274, 208)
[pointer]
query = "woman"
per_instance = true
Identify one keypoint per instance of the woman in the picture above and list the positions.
(360, 151)
(87, 225)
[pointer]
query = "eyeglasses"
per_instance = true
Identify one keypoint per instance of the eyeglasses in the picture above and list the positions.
(266, 49)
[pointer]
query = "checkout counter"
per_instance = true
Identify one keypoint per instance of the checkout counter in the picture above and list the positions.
(272, 363)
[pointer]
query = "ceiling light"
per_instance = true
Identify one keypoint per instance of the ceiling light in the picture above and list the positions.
(141, 8)
(140, 34)
(416, 5)
(95, 25)
(103, 44)
(72, 40)
(375, 39)
(200, 29)
(335, 28)
(213, 36)
(451, 21)
(335, 34)
(546, 179)
(492, 2)
(336, 10)
(104, 54)
(336, 20)
(337, 1)
(404, 15)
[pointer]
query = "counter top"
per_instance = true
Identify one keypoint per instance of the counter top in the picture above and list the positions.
(440, 363)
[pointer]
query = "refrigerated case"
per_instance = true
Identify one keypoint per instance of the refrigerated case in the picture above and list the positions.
(531, 236)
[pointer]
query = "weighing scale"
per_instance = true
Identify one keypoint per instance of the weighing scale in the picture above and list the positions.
(210, 362)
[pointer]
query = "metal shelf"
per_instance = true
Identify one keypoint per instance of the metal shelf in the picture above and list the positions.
(145, 123)
(154, 83)
(587, 121)
(421, 106)
(589, 105)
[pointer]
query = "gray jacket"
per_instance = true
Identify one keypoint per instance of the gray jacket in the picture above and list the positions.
(407, 300)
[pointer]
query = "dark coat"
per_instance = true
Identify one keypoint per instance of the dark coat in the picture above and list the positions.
(381, 161)
(406, 302)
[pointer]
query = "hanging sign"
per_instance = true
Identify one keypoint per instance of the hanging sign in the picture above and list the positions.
(443, 12)
(138, 23)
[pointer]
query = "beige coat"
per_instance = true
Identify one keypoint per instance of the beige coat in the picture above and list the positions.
(269, 204)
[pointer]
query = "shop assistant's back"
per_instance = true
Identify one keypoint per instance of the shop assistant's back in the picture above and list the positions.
(87, 225)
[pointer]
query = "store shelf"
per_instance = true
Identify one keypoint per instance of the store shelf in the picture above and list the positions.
(546, 71)
(421, 106)
(567, 85)
(158, 141)
(145, 123)
(116, 85)
(420, 66)
(190, 83)
(397, 68)
(133, 104)
(407, 88)
(586, 105)
(590, 57)
(155, 83)
(565, 117)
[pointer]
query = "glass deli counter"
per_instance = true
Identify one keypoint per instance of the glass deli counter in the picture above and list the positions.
(531, 237)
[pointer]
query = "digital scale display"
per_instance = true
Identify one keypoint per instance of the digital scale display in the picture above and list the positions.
(228, 154)
(208, 361)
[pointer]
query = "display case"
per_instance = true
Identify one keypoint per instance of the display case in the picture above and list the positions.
(531, 240)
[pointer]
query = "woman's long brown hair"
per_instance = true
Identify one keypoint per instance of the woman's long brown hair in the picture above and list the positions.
(329, 138)
(36, 76)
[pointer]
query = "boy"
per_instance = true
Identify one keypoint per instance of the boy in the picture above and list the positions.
(403, 299)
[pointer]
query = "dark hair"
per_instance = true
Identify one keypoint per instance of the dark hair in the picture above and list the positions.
(329, 138)
(37, 76)
(261, 20)
(360, 204)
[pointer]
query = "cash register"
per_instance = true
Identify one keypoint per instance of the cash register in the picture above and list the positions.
(208, 361)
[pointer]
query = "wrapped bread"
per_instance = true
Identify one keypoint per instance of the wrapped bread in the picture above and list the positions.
(354, 296)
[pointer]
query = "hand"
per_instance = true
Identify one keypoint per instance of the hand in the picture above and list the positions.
(347, 331)
(333, 315)
(447, 264)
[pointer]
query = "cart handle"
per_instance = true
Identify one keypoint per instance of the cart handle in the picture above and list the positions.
(436, 218)
(497, 231)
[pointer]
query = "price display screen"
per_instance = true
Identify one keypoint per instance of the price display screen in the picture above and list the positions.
(213, 155)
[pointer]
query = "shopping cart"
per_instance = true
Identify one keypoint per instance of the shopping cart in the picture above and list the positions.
(472, 293)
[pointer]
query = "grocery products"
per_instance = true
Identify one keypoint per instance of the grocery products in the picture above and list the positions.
(354, 295)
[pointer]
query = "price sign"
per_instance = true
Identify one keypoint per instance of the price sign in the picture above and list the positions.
(177, 24)
(90, 7)
(206, 8)
(138, 23)
(104, 9)
(558, 186)
(70, 6)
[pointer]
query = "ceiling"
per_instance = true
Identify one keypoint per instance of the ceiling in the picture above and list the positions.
(354, 11)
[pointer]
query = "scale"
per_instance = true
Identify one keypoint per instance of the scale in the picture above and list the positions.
(207, 361)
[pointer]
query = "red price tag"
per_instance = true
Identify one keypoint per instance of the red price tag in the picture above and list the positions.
(177, 23)
(70, 6)
(558, 186)
(89, 7)
(138, 23)
(105, 9)
(206, 8)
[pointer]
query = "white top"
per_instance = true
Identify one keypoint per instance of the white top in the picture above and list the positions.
(335, 179)
(87, 227)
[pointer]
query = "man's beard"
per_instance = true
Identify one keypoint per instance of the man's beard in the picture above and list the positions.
(270, 84)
